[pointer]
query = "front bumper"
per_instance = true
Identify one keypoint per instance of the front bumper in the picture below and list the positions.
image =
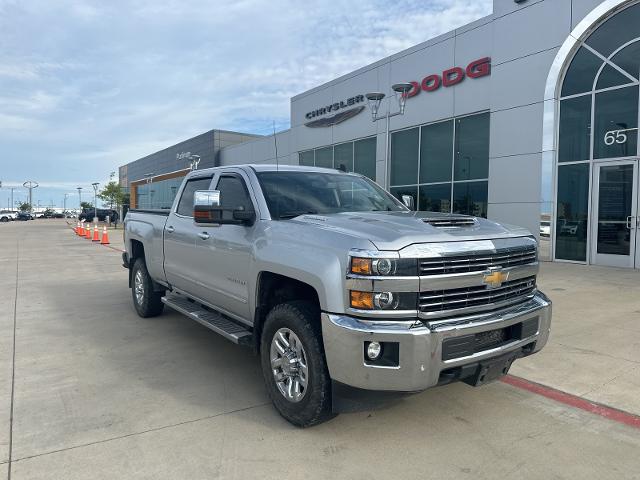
(421, 363)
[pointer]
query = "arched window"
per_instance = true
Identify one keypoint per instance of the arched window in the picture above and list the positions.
(598, 120)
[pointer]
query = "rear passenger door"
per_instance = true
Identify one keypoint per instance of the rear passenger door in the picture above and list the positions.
(180, 234)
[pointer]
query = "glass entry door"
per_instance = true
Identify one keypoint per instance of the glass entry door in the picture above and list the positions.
(615, 224)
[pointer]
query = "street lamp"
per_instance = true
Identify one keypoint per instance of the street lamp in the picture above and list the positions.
(64, 203)
(79, 197)
(30, 185)
(95, 200)
(374, 99)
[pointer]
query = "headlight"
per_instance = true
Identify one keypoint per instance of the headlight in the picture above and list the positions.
(382, 300)
(381, 267)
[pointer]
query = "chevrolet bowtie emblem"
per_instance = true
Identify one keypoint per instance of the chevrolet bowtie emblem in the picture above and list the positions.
(494, 277)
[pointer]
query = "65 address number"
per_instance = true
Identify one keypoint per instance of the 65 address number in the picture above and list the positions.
(617, 136)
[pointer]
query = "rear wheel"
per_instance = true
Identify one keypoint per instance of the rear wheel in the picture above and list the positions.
(146, 300)
(293, 364)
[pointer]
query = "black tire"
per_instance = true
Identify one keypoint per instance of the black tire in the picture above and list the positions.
(4, 219)
(150, 304)
(303, 319)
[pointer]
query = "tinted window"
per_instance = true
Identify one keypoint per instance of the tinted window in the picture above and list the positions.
(185, 207)
(343, 156)
(573, 209)
(233, 193)
(436, 152)
(365, 157)
(472, 147)
(575, 129)
(610, 77)
(470, 198)
(616, 31)
(629, 59)
(404, 157)
(616, 119)
(324, 157)
(581, 73)
(435, 198)
(306, 158)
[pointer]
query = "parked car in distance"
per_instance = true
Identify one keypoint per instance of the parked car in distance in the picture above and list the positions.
(337, 284)
(24, 216)
(101, 213)
(7, 215)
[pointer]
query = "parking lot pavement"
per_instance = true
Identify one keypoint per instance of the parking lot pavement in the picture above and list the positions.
(102, 393)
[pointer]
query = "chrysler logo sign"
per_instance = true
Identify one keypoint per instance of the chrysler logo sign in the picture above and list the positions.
(341, 114)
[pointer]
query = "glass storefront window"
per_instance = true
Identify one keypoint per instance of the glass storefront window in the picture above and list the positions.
(616, 31)
(306, 158)
(435, 198)
(435, 152)
(158, 194)
(365, 157)
(343, 156)
(616, 122)
(404, 157)
(358, 156)
(470, 198)
(629, 59)
(472, 147)
(575, 129)
(324, 157)
(581, 73)
(572, 212)
(610, 77)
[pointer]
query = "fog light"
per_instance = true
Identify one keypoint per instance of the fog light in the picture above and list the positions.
(374, 350)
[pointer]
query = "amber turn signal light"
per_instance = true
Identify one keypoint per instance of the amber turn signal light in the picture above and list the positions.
(361, 266)
(361, 300)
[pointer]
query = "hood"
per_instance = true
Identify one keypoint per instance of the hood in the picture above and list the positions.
(396, 230)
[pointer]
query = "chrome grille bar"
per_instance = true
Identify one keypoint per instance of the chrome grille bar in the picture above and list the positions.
(476, 263)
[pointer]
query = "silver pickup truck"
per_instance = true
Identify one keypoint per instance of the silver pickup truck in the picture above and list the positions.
(337, 284)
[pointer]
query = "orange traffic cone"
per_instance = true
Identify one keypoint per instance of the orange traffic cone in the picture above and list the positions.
(96, 237)
(80, 229)
(87, 233)
(105, 237)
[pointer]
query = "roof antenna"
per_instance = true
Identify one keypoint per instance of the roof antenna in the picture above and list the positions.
(275, 143)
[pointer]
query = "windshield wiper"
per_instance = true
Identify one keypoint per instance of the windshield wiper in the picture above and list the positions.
(288, 215)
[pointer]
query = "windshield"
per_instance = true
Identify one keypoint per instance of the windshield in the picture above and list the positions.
(289, 194)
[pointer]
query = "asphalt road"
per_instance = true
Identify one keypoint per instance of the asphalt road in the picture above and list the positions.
(96, 392)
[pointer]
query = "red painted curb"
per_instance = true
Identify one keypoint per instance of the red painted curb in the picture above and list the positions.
(605, 411)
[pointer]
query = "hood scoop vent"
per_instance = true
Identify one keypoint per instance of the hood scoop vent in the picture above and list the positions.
(451, 222)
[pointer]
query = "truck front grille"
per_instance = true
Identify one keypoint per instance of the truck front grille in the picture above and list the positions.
(477, 263)
(435, 301)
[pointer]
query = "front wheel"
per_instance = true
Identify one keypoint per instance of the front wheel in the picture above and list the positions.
(294, 366)
(147, 301)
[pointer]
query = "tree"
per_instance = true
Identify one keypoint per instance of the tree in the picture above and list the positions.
(24, 206)
(112, 194)
(86, 205)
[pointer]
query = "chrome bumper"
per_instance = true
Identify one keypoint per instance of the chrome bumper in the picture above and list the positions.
(420, 346)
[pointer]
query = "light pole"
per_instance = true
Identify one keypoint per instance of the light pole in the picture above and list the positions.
(95, 200)
(374, 100)
(30, 184)
(64, 204)
(79, 198)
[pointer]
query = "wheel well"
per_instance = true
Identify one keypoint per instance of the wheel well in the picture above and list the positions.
(137, 251)
(274, 289)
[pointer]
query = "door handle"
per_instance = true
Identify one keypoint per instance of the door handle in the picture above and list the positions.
(170, 229)
(629, 219)
(203, 235)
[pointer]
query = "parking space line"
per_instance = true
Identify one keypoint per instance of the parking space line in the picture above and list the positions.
(605, 411)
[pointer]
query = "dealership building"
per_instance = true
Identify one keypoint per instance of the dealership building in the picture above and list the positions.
(528, 116)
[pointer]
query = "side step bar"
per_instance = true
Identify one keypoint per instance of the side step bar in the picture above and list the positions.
(212, 320)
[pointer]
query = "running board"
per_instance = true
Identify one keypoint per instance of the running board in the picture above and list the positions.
(211, 319)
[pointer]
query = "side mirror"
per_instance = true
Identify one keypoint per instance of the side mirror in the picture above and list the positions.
(207, 209)
(408, 201)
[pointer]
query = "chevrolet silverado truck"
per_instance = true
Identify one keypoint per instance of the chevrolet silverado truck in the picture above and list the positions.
(337, 284)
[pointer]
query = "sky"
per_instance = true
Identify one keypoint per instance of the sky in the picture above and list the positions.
(87, 86)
